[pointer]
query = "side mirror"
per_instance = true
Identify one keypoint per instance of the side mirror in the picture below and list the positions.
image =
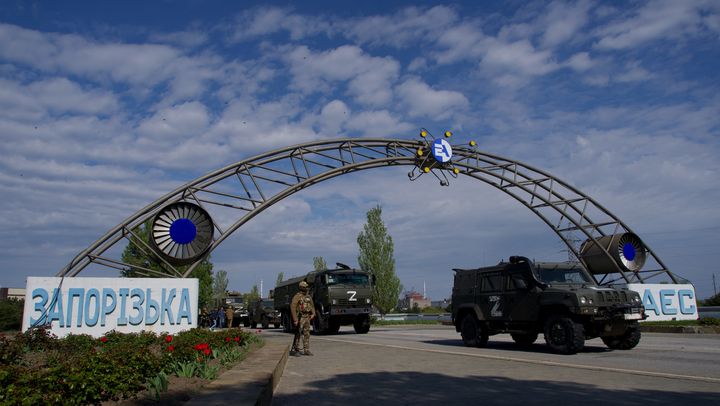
(271, 294)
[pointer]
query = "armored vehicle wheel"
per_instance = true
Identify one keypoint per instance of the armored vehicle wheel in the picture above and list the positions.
(524, 339)
(253, 325)
(246, 323)
(362, 325)
(563, 335)
(276, 325)
(627, 341)
(265, 324)
(473, 333)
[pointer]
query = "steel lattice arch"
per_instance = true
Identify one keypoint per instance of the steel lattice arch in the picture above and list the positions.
(248, 187)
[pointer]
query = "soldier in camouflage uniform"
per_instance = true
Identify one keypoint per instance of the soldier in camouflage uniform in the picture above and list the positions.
(303, 312)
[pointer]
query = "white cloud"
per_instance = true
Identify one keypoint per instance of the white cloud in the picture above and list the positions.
(378, 124)
(422, 100)
(264, 21)
(332, 117)
(407, 27)
(176, 122)
(518, 58)
(563, 21)
(655, 20)
(368, 78)
(580, 61)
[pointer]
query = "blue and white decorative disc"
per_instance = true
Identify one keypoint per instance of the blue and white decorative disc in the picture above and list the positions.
(441, 150)
(631, 252)
(182, 232)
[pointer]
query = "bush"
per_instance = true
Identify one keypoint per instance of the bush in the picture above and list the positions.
(38, 368)
(709, 321)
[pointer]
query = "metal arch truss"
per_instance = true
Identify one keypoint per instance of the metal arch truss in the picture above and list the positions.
(249, 187)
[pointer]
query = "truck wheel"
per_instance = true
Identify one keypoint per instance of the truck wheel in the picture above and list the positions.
(524, 339)
(276, 325)
(362, 325)
(333, 327)
(265, 324)
(246, 323)
(472, 332)
(253, 325)
(627, 341)
(286, 322)
(563, 335)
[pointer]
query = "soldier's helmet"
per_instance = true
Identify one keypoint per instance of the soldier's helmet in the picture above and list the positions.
(303, 286)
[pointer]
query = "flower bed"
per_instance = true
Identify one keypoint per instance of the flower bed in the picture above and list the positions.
(38, 368)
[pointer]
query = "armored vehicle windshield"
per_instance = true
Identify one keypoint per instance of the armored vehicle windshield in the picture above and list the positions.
(556, 273)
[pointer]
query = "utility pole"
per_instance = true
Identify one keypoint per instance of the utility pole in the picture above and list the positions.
(714, 287)
(261, 288)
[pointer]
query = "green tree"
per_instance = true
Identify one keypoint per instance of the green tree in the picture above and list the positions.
(252, 296)
(11, 312)
(319, 263)
(136, 254)
(712, 301)
(376, 257)
(280, 278)
(220, 284)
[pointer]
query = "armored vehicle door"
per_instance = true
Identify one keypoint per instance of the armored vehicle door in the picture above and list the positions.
(521, 297)
(490, 296)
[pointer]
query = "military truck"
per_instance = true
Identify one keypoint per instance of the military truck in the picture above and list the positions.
(240, 311)
(561, 300)
(342, 296)
(264, 314)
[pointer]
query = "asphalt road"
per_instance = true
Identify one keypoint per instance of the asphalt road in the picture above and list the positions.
(401, 365)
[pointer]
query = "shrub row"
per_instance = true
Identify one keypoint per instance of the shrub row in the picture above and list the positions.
(38, 368)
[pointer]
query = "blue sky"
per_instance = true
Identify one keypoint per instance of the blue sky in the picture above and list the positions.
(105, 106)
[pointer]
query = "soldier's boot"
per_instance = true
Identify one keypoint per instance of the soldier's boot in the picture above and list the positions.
(307, 352)
(294, 352)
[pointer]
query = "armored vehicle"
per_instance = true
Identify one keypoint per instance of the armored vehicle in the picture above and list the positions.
(264, 314)
(342, 296)
(561, 300)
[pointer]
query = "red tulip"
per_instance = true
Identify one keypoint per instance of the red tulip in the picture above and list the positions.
(171, 348)
(103, 339)
(168, 339)
(227, 339)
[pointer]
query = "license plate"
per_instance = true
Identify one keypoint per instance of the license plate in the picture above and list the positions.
(635, 316)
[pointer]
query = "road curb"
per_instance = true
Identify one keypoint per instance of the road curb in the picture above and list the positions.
(252, 382)
(680, 329)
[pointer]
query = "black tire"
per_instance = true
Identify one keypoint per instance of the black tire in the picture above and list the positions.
(287, 322)
(473, 333)
(524, 339)
(253, 325)
(362, 325)
(563, 335)
(265, 324)
(276, 325)
(627, 341)
(246, 323)
(333, 327)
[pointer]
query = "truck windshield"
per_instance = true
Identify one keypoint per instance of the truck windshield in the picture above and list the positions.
(562, 274)
(347, 278)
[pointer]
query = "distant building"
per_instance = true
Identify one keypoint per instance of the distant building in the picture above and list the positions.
(412, 298)
(12, 293)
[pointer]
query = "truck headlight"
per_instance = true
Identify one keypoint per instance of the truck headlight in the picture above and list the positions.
(334, 301)
(367, 300)
(586, 300)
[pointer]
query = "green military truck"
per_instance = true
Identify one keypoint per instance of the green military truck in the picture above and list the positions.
(342, 296)
(263, 313)
(561, 300)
